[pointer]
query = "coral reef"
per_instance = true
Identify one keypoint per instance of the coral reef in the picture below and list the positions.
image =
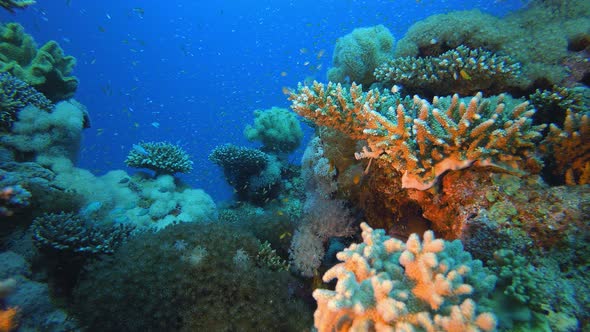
(277, 129)
(33, 302)
(15, 95)
(46, 69)
(538, 37)
(461, 70)
(208, 292)
(160, 157)
(13, 197)
(357, 54)
(424, 141)
(384, 283)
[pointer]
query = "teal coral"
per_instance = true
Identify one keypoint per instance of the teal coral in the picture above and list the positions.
(47, 69)
(385, 284)
(461, 70)
(15, 95)
(277, 129)
(161, 157)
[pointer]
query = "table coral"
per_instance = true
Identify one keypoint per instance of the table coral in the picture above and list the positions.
(461, 70)
(161, 157)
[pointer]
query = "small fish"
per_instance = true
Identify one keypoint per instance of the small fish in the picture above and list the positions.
(108, 16)
(139, 11)
(99, 131)
(356, 179)
(286, 90)
(101, 28)
(303, 50)
(155, 124)
(464, 75)
(140, 149)
(279, 213)
(136, 125)
(284, 235)
(283, 73)
(321, 54)
(306, 63)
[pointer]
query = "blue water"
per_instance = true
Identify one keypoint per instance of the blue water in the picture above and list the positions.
(193, 72)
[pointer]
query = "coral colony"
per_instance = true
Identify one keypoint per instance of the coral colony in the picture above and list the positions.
(445, 187)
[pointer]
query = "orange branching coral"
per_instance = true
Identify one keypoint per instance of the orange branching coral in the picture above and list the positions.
(8, 319)
(423, 140)
(571, 147)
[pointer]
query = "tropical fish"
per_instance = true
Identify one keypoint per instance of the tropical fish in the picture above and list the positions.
(464, 74)
(140, 149)
(139, 11)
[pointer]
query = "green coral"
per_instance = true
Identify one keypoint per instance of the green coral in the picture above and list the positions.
(357, 54)
(184, 278)
(161, 157)
(519, 299)
(47, 69)
(11, 5)
(277, 129)
(537, 36)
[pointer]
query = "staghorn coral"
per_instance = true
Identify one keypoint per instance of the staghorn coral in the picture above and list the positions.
(423, 141)
(11, 5)
(15, 95)
(46, 69)
(384, 284)
(570, 147)
(461, 70)
(161, 157)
